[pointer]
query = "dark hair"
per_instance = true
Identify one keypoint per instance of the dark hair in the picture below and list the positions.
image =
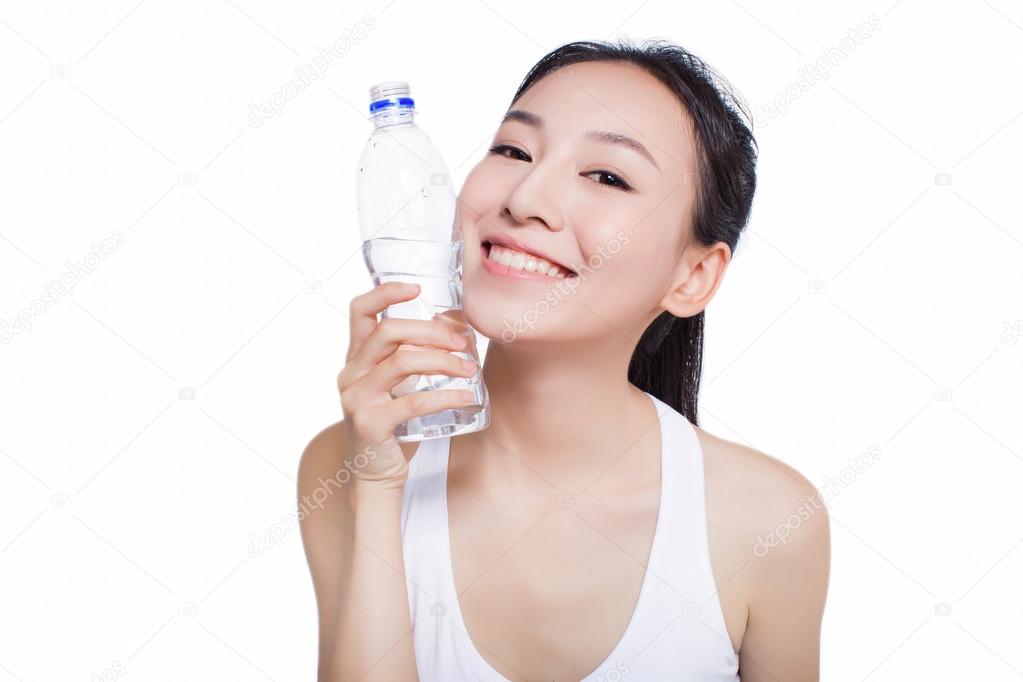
(668, 359)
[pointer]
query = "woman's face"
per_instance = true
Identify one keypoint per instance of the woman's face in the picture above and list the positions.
(557, 185)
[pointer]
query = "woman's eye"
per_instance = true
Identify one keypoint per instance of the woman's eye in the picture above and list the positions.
(511, 152)
(501, 148)
(615, 180)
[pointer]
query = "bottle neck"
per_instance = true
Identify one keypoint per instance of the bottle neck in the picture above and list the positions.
(392, 116)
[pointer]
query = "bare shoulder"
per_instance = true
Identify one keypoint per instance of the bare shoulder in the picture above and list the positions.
(770, 528)
(325, 477)
(320, 487)
(754, 483)
(326, 443)
(324, 523)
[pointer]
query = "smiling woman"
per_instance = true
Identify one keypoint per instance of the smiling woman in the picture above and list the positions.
(593, 531)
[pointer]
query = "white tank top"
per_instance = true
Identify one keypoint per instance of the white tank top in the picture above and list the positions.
(677, 630)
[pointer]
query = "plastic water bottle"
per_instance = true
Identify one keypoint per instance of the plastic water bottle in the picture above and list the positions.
(406, 206)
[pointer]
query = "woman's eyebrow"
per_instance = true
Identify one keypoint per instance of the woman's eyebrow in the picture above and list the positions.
(600, 136)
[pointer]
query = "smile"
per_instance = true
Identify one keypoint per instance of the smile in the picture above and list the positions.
(501, 260)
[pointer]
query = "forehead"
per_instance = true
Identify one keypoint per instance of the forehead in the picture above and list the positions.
(616, 97)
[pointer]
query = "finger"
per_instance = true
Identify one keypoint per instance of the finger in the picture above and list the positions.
(392, 333)
(406, 363)
(364, 308)
(380, 421)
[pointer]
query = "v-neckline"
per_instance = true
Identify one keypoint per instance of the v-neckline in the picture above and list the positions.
(458, 620)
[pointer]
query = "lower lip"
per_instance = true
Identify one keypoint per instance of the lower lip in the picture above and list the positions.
(496, 268)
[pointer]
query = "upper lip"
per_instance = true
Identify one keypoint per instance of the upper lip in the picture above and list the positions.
(503, 240)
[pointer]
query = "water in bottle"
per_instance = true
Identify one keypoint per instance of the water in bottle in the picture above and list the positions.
(406, 205)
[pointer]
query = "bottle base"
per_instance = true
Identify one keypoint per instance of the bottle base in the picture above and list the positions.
(453, 422)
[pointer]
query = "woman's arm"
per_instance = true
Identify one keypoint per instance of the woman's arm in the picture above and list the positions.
(351, 532)
(782, 639)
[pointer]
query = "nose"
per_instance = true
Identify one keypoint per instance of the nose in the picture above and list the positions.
(536, 198)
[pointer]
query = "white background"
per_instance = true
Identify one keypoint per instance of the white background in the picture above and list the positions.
(152, 417)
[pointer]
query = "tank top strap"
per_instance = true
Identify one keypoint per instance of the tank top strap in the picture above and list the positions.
(426, 480)
(684, 560)
(443, 648)
(424, 526)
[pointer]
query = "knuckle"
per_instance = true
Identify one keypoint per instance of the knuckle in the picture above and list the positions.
(443, 328)
(361, 423)
(354, 306)
(361, 326)
(416, 401)
(405, 359)
(346, 404)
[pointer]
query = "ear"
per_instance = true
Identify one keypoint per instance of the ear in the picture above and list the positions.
(696, 279)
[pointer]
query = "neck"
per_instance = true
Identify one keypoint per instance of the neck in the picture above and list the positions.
(562, 413)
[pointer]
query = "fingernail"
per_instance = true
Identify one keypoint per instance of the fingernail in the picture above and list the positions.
(469, 365)
(458, 339)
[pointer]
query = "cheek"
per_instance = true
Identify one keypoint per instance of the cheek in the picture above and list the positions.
(607, 240)
(470, 200)
(484, 188)
(625, 274)
(633, 244)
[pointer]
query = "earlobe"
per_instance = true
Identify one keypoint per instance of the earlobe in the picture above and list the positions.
(697, 280)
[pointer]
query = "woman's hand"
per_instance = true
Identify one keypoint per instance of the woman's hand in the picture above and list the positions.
(377, 360)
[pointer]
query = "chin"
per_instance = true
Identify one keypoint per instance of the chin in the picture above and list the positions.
(507, 318)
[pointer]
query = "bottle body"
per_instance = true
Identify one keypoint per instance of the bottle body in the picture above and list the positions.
(406, 206)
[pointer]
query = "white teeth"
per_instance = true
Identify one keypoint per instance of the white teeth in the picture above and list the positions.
(518, 260)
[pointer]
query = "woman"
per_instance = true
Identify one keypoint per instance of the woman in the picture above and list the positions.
(592, 531)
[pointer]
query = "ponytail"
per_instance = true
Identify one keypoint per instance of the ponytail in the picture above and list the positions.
(668, 360)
